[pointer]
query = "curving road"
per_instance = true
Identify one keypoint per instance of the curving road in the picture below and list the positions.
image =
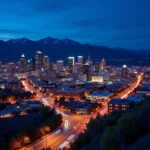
(73, 125)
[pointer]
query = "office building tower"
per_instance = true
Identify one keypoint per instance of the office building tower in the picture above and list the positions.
(38, 61)
(80, 59)
(89, 62)
(22, 64)
(125, 71)
(46, 63)
(70, 63)
(52, 74)
(103, 64)
(10, 67)
(1, 67)
(97, 66)
(77, 68)
(31, 64)
(87, 69)
(60, 65)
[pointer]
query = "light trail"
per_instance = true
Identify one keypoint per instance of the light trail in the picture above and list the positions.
(26, 87)
(63, 145)
(66, 125)
(130, 91)
(71, 137)
(44, 100)
(55, 133)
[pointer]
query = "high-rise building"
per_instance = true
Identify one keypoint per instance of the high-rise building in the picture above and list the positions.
(103, 64)
(89, 61)
(70, 63)
(52, 74)
(125, 71)
(10, 67)
(31, 64)
(60, 65)
(87, 69)
(1, 66)
(38, 61)
(46, 63)
(97, 66)
(80, 59)
(22, 63)
(77, 68)
(105, 74)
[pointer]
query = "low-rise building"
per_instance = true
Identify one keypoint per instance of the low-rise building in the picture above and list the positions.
(79, 107)
(35, 106)
(119, 105)
(69, 92)
(99, 95)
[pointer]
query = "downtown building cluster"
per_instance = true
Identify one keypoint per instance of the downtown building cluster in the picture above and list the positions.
(75, 77)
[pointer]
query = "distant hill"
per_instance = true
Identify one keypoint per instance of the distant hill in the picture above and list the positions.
(12, 49)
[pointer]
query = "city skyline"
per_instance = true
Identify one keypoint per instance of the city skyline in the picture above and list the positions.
(99, 23)
(74, 74)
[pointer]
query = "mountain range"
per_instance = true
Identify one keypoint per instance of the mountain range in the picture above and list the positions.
(11, 50)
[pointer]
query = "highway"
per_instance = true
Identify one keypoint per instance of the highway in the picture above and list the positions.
(132, 86)
(73, 124)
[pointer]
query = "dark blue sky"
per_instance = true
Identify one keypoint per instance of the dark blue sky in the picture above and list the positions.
(113, 23)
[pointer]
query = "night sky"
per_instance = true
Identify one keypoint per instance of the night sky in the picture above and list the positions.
(113, 23)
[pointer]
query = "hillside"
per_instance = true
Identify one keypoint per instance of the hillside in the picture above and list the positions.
(59, 49)
(128, 130)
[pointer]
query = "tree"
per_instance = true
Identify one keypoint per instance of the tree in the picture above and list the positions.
(142, 144)
(130, 128)
(34, 133)
(3, 144)
(26, 140)
(71, 99)
(20, 136)
(46, 112)
(62, 101)
(109, 140)
(82, 140)
(56, 101)
(14, 144)
(94, 127)
(46, 128)
(98, 116)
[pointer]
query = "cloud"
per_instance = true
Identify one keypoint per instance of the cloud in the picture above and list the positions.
(14, 31)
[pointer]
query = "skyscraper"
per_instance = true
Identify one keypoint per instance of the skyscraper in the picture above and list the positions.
(70, 63)
(31, 64)
(0, 66)
(38, 61)
(89, 61)
(103, 64)
(77, 68)
(97, 66)
(80, 59)
(87, 69)
(22, 63)
(125, 71)
(10, 67)
(60, 65)
(46, 63)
